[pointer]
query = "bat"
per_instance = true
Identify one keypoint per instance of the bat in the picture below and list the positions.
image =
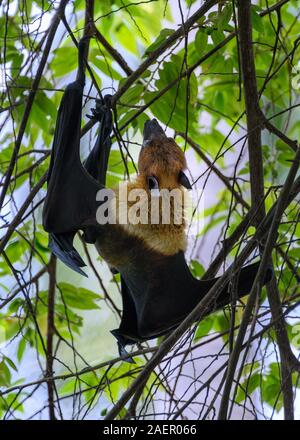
(158, 290)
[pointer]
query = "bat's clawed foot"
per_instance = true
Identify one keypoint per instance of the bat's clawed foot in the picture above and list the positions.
(101, 108)
(97, 112)
(125, 355)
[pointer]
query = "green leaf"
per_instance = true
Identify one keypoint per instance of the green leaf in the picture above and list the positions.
(45, 104)
(271, 387)
(10, 327)
(68, 387)
(65, 60)
(197, 269)
(164, 34)
(21, 349)
(220, 101)
(106, 68)
(171, 107)
(79, 297)
(5, 375)
(132, 95)
(248, 387)
(248, 368)
(201, 41)
(125, 37)
(204, 328)
(221, 323)
(217, 37)
(257, 21)
(10, 363)
(116, 164)
(224, 17)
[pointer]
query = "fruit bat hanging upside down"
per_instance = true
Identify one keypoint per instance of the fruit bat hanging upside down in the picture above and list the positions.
(158, 289)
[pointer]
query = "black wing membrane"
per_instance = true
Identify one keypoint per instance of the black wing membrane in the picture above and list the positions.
(70, 202)
(156, 305)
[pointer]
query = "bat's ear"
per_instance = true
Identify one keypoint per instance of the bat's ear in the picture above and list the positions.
(152, 131)
(153, 186)
(183, 180)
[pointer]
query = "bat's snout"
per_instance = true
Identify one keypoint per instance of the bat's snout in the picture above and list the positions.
(152, 131)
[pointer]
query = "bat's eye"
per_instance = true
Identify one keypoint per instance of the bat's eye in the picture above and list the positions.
(153, 184)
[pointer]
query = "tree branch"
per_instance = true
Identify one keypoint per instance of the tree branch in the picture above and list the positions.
(50, 334)
(155, 54)
(271, 240)
(31, 96)
(254, 123)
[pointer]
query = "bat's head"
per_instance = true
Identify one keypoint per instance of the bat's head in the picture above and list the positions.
(161, 162)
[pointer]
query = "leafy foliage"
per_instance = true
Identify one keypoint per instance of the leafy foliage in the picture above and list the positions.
(207, 104)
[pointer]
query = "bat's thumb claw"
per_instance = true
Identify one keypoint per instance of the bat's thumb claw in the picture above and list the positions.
(121, 341)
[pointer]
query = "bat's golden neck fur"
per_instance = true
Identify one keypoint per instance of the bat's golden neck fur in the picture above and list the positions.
(164, 160)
